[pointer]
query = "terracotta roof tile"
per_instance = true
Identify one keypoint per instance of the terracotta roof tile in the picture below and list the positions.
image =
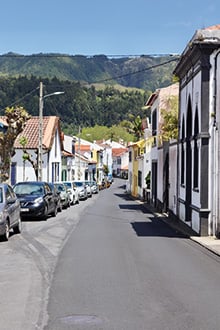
(213, 27)
(118, 152)
(31, 132)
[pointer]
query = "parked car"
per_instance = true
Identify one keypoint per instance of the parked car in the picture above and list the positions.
(64, 195)
(9, 211)
(81, 188)
(56, 195)
(94, 187)
(36, 199)
(71, 188)
(89, 188)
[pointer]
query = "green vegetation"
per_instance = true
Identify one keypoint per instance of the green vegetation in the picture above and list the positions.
(104, 96)
(143, 72)
(97, 133)
(169, 127)
(16, 119)
(78, 106)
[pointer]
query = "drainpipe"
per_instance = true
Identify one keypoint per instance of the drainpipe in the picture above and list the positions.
(214, 191)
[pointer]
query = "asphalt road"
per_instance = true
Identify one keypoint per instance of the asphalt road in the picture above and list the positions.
(107, 264)
(123, 269)
(27, 263)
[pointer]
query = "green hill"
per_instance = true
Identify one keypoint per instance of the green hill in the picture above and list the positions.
(97, 90)
(143, 72)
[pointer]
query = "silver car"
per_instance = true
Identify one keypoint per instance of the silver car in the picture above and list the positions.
(94, 187)
(73, 192)
(81, 188)
(64, 195)
(9, 211)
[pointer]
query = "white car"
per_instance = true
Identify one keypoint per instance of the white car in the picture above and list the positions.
(94, 187)
(81, 188)
(89, 188)
(73, 192)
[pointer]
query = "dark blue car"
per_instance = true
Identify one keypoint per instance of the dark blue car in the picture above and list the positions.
(36, 199)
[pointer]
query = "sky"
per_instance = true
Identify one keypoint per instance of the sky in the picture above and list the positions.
(94, 27)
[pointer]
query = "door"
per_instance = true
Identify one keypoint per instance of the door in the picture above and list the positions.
(154, 183)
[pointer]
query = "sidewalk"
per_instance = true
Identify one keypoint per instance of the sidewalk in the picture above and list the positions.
(209, 242)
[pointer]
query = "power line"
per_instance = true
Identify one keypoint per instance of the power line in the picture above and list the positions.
(21, 99)
(102, 80)
(135, 72)
(54, 55)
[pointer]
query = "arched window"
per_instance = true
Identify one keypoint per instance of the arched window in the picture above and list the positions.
(196, 152)
(182, 151)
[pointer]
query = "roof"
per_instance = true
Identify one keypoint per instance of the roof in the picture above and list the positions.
(67, 154)
(31, 132)
(208, 38)
(116, 152)
(152, 98)
(162, 94)
(83, 148)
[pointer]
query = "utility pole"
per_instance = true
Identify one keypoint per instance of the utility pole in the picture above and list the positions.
(40, 137)
(79, 163)
(40, 146)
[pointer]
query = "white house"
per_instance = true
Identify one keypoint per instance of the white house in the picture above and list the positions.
(199, 120)
(163, 161)
(52, 142)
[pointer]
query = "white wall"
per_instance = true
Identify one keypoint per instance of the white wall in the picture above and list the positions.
(160, 175)
(173, 177)
(54, 157)
(24, 171)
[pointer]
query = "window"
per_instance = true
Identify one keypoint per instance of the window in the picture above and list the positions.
(119, 160)
(139, 179)
(55, 172)
(154, 125)
(196, 152)
(182, 152)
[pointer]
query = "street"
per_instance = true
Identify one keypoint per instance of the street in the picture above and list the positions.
(107, 264)
(123, 269)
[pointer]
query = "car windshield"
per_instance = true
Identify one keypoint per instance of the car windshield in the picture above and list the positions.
(60, 187)
(1, 195)
(67, 184)
(28, 189)
(78, 184)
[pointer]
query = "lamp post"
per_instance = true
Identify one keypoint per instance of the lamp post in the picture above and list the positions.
(40, 142)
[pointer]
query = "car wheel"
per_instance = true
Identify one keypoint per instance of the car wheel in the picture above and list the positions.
(17, 228)
(60, 207)
(54, 213)
(6, 234)
(45, 216)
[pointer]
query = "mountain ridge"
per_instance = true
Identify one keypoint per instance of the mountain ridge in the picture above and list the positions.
(144, 72)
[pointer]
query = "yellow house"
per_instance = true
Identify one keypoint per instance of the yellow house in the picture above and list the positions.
(138, 151)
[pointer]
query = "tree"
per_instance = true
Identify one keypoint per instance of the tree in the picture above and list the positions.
(27, 156)
(169, 125)
(16, 118)
(134, 126)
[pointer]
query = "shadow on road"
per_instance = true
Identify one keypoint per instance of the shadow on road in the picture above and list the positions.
(155, 228)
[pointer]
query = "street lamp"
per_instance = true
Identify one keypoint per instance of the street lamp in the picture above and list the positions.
(40, 145)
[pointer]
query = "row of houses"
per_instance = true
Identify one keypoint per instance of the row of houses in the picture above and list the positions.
(185, 172)
(64, 157)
